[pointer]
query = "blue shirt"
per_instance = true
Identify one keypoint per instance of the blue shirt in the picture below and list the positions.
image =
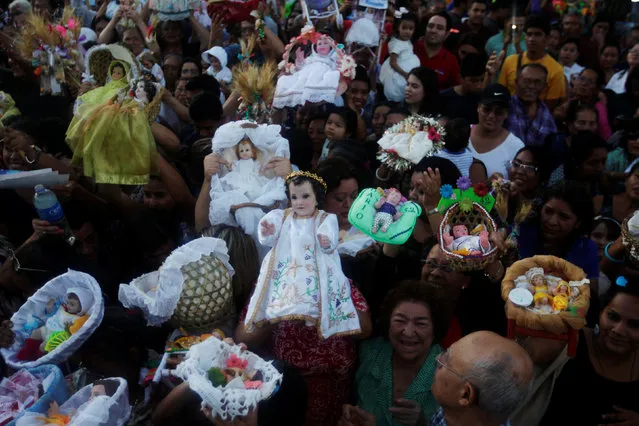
(583, 252)
(496, 42)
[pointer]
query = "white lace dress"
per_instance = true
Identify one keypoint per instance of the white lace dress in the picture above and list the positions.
(299, 280)
(316, 81)
(394, 83)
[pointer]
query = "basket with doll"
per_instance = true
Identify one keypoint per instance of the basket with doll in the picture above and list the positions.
(230, 381)
(384, 215)
(314, 69)
(53, 51)
(243, 191)
(173, 10)
(98, 62)
(55, 321)
(630, 236)
(406, 143)
(31, 390)
(193, 287)
(301, 277)
(546, 294)
(466, 225)
(105, 402)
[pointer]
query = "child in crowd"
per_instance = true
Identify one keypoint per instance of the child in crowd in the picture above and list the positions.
(217, 59)
(568, 56)
(341, 125)
(456, 145)
(402, 60)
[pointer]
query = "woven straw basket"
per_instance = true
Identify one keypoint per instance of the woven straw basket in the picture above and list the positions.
(207, 296)
(477, 216)
(630, 242)
(553, 323)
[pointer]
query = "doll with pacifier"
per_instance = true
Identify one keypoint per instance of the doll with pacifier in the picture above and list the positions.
(63, 321)
(461, 242)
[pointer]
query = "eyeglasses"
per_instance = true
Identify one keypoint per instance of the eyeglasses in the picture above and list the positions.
(16, 264)
(498, 110)
(432, 264)
(442, 359)
(516, 164)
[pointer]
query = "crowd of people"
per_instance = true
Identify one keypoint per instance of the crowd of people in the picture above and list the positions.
(542, 96)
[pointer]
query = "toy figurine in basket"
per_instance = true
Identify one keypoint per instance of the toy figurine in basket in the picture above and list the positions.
(235, 374)
(409, 141)
(630, 236)
(301, 276)
(549, 294)
(466, 226)
(320, 75)
(63, 321)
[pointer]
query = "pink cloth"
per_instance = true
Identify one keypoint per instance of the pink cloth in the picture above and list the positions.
(604, 127)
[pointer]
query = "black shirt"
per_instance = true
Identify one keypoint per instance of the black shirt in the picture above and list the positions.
(454, 105)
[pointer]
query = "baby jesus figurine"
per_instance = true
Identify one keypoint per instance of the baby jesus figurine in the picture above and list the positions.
(246, 173)
(64, 322)
(387, 210)
(464, 244)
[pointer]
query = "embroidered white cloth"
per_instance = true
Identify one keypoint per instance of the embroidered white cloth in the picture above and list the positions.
(34, 308)
(299, 279)
(227, 401)
(316, 81)
(245, 183)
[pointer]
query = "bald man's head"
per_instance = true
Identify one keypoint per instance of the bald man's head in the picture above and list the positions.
(483, 372)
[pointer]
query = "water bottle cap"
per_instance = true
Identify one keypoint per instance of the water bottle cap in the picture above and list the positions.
(39, 188)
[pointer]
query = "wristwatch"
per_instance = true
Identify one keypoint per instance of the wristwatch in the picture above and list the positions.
(432, 212)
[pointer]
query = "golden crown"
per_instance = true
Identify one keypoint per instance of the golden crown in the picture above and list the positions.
(308, 175)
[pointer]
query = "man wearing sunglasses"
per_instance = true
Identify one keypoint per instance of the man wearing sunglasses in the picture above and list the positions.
(481, 380)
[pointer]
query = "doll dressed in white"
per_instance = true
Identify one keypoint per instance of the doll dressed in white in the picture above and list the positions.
(242, 191)
(63, 321)
(301, 278)
(316, 78)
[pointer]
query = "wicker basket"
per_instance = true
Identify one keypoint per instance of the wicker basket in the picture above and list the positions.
(99, 57)
(630, 242)
(207, 296)
(477, 216)
(553, 323)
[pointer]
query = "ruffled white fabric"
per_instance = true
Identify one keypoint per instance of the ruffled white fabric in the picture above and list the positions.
(226, 402)
(353, 242)
(363, 32)
(317, 81)
(299, 279)
(394, 83)
(226, 192)
(34, 306)
(101, 411)
(411, 147)
(157, 293)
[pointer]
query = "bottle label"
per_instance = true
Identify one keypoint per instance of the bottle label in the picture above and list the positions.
(53, 214)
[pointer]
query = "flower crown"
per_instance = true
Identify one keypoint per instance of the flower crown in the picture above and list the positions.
(308, 175)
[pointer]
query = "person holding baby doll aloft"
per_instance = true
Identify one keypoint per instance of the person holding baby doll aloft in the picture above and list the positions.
(62, 322)
(301, 276)
(402, 60)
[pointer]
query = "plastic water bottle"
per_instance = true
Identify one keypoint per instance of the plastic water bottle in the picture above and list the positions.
(49, 209)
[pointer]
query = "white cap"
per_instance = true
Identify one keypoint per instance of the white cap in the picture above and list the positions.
(88, 34)
(84, 296)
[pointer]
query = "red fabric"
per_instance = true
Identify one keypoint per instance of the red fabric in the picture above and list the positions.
(453, 334)
(232, 12)
(443, 63)
(327, 365)
(30, 351)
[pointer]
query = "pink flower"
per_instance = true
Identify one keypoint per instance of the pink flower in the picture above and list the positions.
(61, 30)
(72, 24)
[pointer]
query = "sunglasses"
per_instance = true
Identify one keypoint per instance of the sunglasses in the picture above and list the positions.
(16, 264)
(516, 164)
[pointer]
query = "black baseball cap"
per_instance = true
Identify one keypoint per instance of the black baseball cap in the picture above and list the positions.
(495, 94)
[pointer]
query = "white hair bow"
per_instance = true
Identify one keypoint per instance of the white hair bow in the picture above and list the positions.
(399, 13)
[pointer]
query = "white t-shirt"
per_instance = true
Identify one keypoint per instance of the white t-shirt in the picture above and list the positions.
(496, 160)
(617, 82)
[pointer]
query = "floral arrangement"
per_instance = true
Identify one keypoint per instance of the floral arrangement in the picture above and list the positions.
(255, 84)
(345, 63)
(584, 7)
(465, 195)
(52, 49)
(409, 141)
